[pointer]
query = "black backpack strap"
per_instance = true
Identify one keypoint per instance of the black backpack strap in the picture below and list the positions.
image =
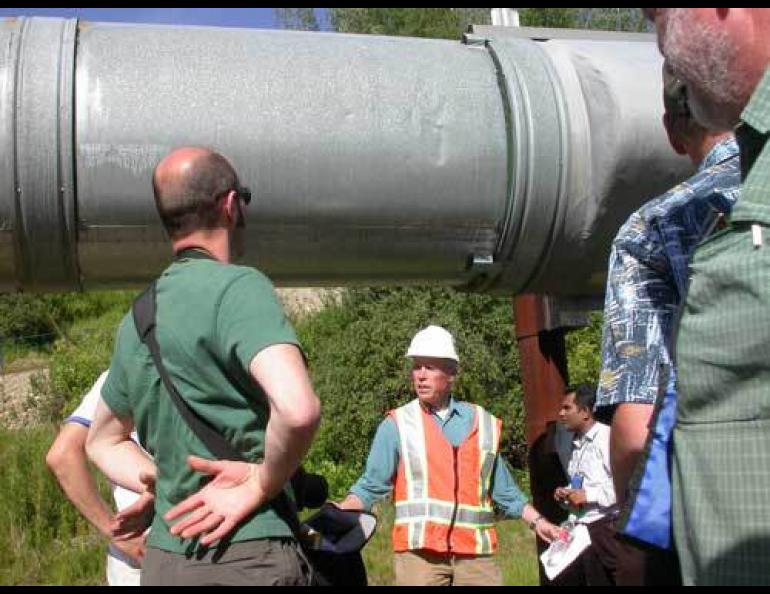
(144, 318)
(144, 309)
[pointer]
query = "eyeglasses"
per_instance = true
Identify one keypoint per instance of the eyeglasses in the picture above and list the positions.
(243, 193)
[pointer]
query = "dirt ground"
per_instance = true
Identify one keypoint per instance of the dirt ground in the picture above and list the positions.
(303, 302)
(18, 406)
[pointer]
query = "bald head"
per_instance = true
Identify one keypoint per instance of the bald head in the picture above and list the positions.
(187, 183)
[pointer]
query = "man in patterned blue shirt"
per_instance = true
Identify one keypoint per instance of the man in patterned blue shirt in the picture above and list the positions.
(648, 276)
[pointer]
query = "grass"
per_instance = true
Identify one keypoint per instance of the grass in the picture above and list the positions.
(46, 540)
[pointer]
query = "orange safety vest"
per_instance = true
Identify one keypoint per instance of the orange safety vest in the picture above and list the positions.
(442, 492)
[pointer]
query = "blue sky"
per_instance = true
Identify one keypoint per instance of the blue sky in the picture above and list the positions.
(263, 18)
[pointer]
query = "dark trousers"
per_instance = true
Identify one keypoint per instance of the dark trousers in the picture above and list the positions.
(600, 561)
(268, 562)
(645, 565)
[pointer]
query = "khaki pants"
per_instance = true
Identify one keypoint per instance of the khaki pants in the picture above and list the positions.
(424, 568)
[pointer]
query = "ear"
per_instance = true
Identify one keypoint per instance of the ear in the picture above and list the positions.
(230, 207)
(673, 138)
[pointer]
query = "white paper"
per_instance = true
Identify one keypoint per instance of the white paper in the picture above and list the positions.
(560, 555)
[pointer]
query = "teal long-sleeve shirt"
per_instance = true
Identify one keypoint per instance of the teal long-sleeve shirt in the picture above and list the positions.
(377, 481)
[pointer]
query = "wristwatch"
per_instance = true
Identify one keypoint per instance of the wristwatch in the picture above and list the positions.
(533, 523)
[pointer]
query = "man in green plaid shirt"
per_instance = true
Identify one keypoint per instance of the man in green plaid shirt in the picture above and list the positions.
(722, 436)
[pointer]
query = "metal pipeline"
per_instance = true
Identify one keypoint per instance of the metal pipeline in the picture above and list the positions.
(504, 163)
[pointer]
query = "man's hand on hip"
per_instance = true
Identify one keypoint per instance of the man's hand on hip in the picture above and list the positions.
(218, 508)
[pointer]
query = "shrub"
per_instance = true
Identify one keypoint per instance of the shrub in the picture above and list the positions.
(77, 361)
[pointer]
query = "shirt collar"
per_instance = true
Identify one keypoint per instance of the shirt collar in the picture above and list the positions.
(453, 408)
(194, 253)
(590, 435)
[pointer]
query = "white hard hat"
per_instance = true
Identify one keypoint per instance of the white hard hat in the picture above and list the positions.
(433, 341)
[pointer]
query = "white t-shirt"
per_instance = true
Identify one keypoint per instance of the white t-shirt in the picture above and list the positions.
(84, 415)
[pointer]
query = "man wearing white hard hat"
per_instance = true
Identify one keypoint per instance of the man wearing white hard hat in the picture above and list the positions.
(440, 459)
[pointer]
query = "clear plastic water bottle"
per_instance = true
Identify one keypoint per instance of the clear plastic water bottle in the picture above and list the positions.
(567, 529)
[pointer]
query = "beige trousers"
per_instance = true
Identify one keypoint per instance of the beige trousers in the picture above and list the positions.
(424, 568)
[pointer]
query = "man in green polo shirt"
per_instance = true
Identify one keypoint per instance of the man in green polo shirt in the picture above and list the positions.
(722, 436)
(235, 360)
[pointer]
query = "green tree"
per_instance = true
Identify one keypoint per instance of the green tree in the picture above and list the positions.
(31, 322)
(612, 19)
(584, 351)
(606, 19)
(473, 16)
(443, 23)
(302, 19)
(450, 23)
(557, 18)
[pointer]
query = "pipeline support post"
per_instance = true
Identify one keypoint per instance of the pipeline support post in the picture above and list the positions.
(543, 360)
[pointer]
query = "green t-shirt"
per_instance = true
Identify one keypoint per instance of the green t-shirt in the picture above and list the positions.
(212, 319)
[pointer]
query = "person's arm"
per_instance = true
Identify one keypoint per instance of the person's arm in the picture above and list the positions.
(628, 436)
(67, 460)
(506, 493)
(381, 465)
(352, 502)
(539, 525)
(573, 498)
(602, 495)
(110, 447)
(238, 488)
(638, 318)
(295, 413)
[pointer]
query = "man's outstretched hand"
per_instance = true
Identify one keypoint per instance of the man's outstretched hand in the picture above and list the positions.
(216, 510)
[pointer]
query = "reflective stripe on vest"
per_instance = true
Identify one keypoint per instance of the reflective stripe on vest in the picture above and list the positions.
(442, 512)
(412, 437)
(488, 440)
(417, 509)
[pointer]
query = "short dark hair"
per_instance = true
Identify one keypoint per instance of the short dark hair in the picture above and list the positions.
(585, 395)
